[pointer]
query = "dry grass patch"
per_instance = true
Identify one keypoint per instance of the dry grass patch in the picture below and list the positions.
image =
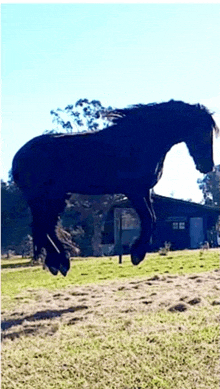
(17, 281)
(121, 335)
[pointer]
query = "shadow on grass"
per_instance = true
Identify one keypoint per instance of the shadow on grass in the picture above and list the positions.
(40, 315)
(28, 263)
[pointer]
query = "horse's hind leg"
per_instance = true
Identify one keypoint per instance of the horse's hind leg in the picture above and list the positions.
(45, 216)
(38, 232)
(57, 258)
(143, 207)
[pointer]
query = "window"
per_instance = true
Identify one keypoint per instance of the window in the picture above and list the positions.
(178, 225)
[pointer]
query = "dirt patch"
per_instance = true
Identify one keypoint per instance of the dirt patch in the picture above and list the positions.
(180, 307)
(49, 310)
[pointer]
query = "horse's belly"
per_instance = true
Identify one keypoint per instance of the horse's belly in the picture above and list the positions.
(89, 174)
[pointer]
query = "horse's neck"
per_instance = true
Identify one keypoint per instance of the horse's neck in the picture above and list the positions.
(173, 130)
(160, 133)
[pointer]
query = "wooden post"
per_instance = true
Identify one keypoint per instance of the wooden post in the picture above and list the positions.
(120, 238)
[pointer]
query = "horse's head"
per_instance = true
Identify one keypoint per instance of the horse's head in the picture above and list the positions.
(200, 140)
(201, 149)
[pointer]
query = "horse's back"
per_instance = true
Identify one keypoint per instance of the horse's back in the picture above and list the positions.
(76, 163)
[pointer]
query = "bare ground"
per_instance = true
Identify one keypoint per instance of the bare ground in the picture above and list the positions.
(47, 310)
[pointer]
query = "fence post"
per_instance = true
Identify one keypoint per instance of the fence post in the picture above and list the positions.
(120, 239)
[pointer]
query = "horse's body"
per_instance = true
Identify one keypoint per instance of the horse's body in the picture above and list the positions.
(126, 157)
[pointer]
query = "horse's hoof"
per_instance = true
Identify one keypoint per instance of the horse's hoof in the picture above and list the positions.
(137, 255)
(63, 270)
(135, 260)
(53, 270)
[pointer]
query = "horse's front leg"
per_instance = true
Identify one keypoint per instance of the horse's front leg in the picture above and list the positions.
(145, 211)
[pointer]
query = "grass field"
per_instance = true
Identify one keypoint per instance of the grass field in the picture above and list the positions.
(112, 326)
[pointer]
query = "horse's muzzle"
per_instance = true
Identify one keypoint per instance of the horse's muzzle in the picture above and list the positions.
(205, 168)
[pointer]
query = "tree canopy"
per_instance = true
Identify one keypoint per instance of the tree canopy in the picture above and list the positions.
(15, 216)
(210, 186)
(83, 116)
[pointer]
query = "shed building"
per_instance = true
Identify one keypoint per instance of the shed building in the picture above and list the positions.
(184, 224)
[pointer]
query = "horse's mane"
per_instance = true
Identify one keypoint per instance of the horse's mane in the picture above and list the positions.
(136, 112)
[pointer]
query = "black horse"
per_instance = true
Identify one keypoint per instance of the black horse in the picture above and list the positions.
(126, 157)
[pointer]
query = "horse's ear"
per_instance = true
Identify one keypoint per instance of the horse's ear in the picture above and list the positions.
(214, 126)
(216, 130)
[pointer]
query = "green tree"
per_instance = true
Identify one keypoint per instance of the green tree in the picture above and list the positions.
(83, 116)
(15, 216)
(210, 186)
(87, 220)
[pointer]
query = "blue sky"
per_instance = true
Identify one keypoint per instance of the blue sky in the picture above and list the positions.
(120, 54)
